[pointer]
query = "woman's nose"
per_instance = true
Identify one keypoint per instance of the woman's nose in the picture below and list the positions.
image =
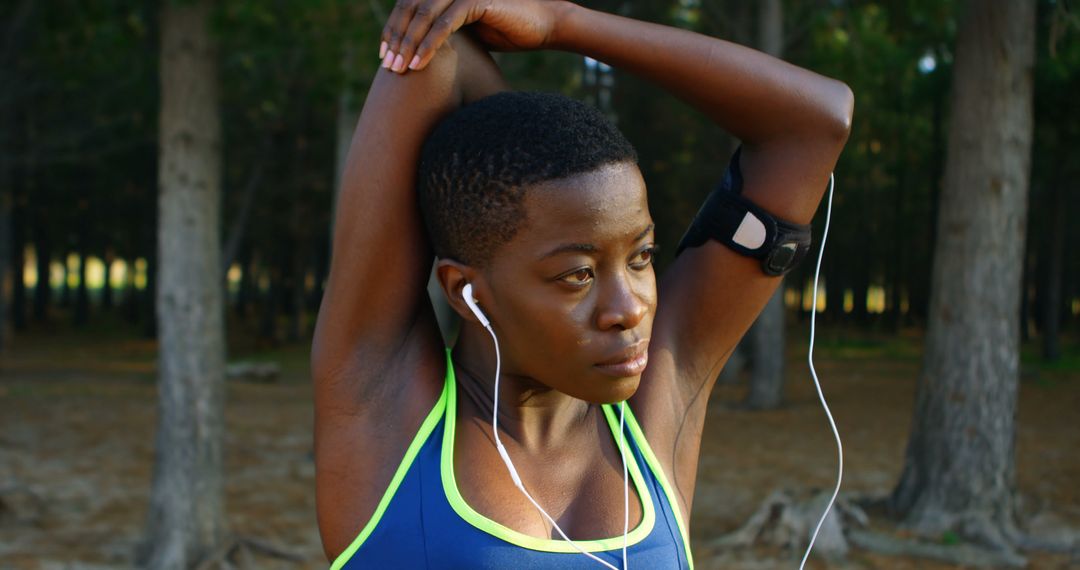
(623, 304)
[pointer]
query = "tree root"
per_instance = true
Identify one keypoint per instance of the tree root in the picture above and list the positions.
(1045, 531)
(962, 554)
(786, 521)
(238, 552)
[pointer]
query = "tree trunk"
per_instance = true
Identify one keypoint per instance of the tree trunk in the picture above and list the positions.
(858, 295)
(348, 113)
(269, 306)
(148, 300)
(107, 300)
(245, 287)
(42, 290)
(65, 290)
(297, 307)
(1051, 298)
(767, 346)
(18, 293)
(131, 293)
(186, 516)
(6, 276)
(767, 333)
(959, 472)
(82, 294)
(1025, 291)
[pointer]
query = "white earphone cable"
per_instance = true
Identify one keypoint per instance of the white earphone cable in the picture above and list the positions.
(626, 481)
(517, 479)
(817, 384)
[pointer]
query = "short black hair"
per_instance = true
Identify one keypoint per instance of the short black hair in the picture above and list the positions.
(478, 162)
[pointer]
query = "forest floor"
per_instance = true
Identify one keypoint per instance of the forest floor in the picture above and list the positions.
(77, 422)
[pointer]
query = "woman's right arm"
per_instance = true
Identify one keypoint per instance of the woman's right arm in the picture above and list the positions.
(375, 294)
(376, 356)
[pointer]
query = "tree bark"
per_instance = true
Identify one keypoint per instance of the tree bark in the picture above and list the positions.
(186, 516)
(767, 354)
(767, 333)
(959, 472)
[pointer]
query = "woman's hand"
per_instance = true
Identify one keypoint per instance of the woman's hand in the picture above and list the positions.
(416, 28)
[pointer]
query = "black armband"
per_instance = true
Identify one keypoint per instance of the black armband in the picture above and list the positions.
(731, 219)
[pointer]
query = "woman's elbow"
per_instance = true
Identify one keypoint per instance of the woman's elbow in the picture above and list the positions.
(839, 106)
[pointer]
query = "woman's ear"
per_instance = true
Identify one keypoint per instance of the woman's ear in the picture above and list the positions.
(453, 276)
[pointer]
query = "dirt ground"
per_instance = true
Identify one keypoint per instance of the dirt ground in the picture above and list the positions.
(77, 421)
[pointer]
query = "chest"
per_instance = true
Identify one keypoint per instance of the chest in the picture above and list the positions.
(580, 486)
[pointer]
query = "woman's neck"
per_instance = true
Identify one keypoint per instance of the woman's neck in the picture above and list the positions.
(532, 414)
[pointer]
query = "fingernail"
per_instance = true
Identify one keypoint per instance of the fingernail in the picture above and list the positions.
(388, 60)
(382, 50)
(415, 62)
(399, 64)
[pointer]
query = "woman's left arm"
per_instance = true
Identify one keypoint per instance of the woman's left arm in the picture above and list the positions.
(793, 124)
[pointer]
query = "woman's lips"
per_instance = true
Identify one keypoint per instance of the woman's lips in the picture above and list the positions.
(632, 365)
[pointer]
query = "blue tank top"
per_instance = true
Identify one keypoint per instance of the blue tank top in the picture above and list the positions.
(423, 522)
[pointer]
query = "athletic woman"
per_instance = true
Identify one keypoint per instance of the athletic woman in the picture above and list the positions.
(534, 207)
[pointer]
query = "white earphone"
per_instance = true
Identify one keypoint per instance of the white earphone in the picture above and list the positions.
(466, 292)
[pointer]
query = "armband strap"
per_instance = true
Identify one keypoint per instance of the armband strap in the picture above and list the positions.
(745, 227)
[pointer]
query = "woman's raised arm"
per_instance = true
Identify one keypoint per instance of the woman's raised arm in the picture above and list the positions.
(375, 294)
(376, 359)
(793, 124)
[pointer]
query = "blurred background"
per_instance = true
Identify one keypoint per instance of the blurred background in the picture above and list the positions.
(957, 456)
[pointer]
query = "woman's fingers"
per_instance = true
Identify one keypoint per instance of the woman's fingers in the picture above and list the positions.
(416, 28)
(393, 30)
(459, 14)
(423, 17)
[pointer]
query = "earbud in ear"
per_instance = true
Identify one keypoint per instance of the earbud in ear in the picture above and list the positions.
(466, 292)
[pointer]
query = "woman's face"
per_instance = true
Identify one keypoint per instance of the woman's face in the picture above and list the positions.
(574, 293)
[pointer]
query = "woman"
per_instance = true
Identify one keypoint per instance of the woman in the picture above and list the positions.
(536, 209)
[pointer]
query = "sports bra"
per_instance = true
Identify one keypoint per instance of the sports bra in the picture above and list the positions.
(422, 520)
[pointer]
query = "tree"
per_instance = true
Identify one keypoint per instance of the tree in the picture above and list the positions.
(766, 336)
(1057, 135)
(186, 515)
(15, 28)
(959, 472)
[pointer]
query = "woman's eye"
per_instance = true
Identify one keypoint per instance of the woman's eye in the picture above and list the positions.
(644, 258)
(580, 277)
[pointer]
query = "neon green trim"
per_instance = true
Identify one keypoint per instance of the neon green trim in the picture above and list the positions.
(650, 459)
(426, 428)
(512, 536)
